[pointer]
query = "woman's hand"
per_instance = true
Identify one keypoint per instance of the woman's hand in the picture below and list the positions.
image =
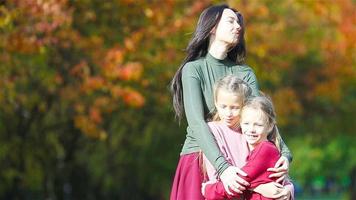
(274, 190)
(271, 190)
(285, 194)
(281, 169)
(232, 182)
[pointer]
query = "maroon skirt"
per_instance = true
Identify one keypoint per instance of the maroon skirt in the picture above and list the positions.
(188, 178)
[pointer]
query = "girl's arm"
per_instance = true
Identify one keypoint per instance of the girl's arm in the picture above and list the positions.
(262, 157)
(216, 191)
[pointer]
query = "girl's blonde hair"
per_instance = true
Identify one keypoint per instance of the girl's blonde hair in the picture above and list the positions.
(264, 103)
(236, 86)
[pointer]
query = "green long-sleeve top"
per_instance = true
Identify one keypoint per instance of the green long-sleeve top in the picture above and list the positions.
(198, 78)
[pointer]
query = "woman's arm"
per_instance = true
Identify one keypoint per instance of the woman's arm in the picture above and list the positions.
(251, 79)
(282, 165)
(284, 149)
(194, 111)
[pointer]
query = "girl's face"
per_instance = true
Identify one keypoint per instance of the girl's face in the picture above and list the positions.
(254, 125)
(228, 107)
(228, 29)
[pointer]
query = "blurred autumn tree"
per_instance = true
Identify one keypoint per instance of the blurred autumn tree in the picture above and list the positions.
(85, 111)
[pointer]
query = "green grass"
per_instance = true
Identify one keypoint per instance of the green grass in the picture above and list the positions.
(322, 197)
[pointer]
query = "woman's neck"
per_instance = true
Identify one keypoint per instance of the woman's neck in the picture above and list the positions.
(218, 49)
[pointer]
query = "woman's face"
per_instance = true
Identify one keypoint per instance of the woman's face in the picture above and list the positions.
(228, 107)
(228, 28)
(254, 125)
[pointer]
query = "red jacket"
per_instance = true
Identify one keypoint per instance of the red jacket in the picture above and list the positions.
(264, 156)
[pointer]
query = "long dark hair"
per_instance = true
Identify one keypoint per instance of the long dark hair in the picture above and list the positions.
(198, 47)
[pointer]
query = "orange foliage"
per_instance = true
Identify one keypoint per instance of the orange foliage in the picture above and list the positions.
(133, 40)
(80, 70)
(89, 128)
(187, 20)
(93, 83)
(286, 104)
(114, 56)
(329, 90)
(95, 115)
(283, 32)
(46, 26)
(101, 73)
(39, 20)
(130, 71)
(133, 98)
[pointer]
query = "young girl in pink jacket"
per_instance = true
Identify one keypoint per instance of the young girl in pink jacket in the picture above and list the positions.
(245, 130)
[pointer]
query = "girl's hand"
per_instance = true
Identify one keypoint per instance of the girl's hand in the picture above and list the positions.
(203, 185)
(232, 182)
(274, 190)
(271, 190)
(281, 169)
(285, 194)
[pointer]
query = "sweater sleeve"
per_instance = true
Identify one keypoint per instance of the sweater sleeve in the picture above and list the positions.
(284, 149)
(194, 111)
(251, 79)
(216, 191)
(289, 185)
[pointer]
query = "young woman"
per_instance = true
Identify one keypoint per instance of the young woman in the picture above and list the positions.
(257, 121)
(216, 49)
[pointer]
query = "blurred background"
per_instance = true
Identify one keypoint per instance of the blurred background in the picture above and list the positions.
(86, 113)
